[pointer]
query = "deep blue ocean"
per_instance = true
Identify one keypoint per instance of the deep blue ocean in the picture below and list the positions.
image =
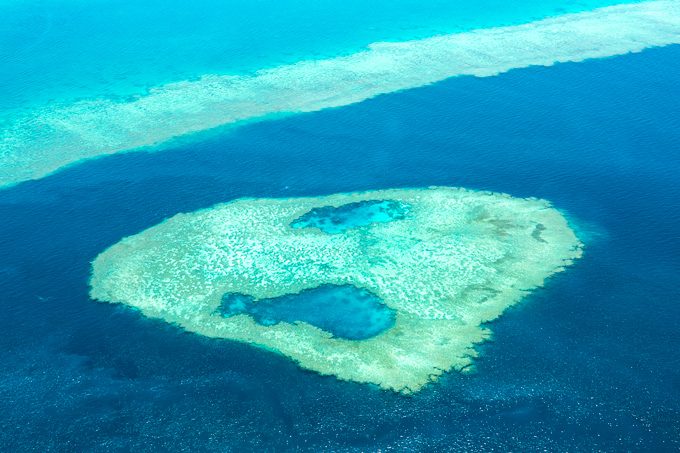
(590, 362)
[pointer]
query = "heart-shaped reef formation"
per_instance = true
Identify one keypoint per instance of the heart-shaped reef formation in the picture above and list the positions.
(388, 287)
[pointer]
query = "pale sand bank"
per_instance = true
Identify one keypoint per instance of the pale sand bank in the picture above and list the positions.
(457, 259)
(49, 139)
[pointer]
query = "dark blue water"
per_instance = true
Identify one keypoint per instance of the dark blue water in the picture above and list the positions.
(343, 310)
(333, 220)
(590, 362)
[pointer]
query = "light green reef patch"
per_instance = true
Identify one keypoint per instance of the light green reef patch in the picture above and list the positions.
(456, 260)
(44, 140)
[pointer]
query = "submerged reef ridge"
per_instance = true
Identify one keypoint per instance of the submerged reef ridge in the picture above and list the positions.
(43, 140)
(454, 260)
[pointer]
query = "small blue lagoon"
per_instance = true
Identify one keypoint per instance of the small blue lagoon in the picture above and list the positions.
(343, 310)
(333, 220)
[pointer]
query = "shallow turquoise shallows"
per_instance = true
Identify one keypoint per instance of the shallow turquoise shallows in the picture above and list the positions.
(332, 219)
(343, 310)
(69, 49)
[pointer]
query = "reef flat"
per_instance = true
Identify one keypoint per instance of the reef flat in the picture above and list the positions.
(451, 260)
(39, 142)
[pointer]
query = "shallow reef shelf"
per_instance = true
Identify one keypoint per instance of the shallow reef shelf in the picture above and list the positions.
(442, 260)
(44, 140)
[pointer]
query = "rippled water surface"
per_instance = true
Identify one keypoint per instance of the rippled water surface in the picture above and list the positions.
(62, 50)
(589, 362)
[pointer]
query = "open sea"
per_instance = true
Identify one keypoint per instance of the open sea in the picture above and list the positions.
(589, 362)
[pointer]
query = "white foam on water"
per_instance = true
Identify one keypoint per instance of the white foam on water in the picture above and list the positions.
(46, 140)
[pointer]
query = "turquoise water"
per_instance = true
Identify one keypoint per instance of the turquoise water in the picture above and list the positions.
(590, 363)
(332, 220)
(62, 50)
(343, 310)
